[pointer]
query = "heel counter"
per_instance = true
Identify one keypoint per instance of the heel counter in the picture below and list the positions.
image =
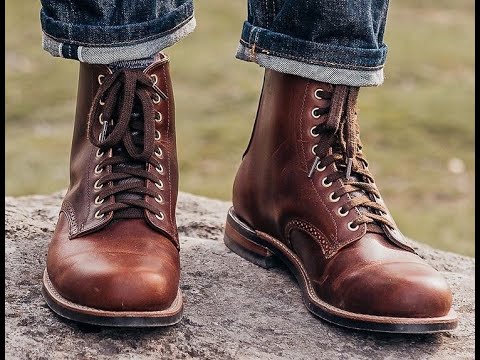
(239, 190)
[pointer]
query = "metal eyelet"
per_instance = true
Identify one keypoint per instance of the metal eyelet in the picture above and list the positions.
(100, 118)
(98, 215)
(157, 99)
(392, 229)
(161, 216)
(317, 94)
(342, 213)
(314, 134)
(332, 199)
(101, 102)
(98, 201)
(98, 169)
(157, 135)
(352, 228)
(320, 168)
(325, 183)
(159, 168)
(159, 199)
(159, 152)
(158, 116)
(154, 78)
(316, 113)
(96, 186)
(159, 184)
(100, 77)
(313, 149)
(99, 153)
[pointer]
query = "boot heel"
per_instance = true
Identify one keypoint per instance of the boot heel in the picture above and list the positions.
(238, 238)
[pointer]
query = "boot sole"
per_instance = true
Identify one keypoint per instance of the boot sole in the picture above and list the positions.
(89, 315)
(267, 252)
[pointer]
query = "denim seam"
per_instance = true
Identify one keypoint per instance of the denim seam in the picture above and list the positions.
(123, 43)
(310, 61)
(266, 11)
(79, 53)
(329, 74)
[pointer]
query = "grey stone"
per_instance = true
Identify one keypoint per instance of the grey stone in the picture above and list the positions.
(233, 310)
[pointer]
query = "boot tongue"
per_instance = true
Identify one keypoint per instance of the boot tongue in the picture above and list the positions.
(120, 150)
(372, 227)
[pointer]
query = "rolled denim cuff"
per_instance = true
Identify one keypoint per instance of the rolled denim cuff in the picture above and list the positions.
(109, 44)
(321, 62)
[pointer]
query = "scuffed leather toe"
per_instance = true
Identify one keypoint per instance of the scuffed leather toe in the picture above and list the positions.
(410, 290)
(97, 281)
(126, 266)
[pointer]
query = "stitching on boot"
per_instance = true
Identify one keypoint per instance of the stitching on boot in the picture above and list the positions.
(327, 247)
(69, 212)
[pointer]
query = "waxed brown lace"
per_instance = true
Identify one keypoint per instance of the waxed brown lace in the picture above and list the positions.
(340, 144)
(123, 105)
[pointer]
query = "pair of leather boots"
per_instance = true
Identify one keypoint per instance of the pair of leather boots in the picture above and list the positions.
(303, 195)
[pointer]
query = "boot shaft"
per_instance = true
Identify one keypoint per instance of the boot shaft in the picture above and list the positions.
(283, 177)
(94, 101)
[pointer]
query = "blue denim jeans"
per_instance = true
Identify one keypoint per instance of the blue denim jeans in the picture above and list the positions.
(339, 42)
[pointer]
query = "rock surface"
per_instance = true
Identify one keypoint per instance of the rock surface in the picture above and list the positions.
(233, 310)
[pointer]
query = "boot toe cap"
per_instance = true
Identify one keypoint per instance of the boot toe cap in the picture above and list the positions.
(119, 282)
(408, 290)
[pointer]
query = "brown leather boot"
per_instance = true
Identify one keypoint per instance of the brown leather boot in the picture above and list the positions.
(304, 195)
(114, 256)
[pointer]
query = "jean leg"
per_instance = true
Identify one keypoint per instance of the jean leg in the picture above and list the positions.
(339, 41)
(107, 31)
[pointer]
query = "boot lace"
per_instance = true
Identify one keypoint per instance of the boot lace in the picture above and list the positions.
(340, 144)
(124, 107)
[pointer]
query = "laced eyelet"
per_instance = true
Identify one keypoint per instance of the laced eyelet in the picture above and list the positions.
(333, 199)
(320, 168)
(158, 116)
(159, 184)
(154, 79)
(313, 149)
(98, 201)
(325, 183)
(314, 134)
(98, 169)
(101, 102)
(159, 168)
(98, 215)
(317, 92)
(156, 99)
(159, 199)
(99, 153)
(100, 118)
(316, 112)
(352, 228)
(342, 213)
(97, 186)
(100, 77)
(161, 216)
(157, 135)
(159, 152)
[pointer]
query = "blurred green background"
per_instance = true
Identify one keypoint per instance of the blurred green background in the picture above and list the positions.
(417, 129)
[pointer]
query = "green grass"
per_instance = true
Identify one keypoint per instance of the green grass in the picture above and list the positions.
(412, 126)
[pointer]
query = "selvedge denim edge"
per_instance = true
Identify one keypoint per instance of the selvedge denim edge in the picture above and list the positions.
(156, 35)
(321, 62)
